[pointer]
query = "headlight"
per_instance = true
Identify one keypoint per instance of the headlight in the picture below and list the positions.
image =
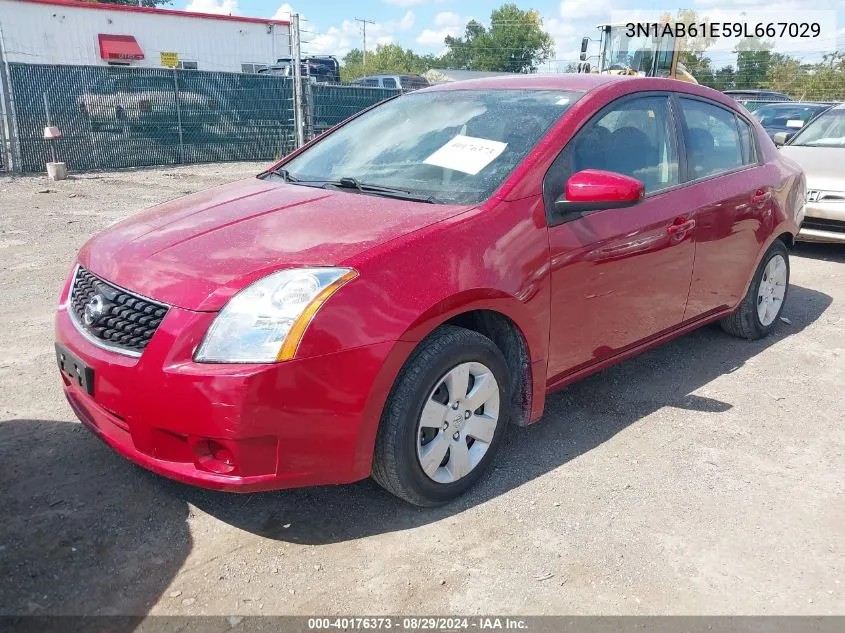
(265, 321)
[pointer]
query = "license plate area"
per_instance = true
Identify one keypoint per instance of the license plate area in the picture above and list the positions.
(75, 370)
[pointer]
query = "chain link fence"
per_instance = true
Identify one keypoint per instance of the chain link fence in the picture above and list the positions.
(114, 117)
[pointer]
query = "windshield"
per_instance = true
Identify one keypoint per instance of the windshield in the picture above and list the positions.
(786, 116)
(455, 146)
(828, 130)
(638, 52)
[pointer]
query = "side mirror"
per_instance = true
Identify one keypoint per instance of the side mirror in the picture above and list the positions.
(781, 138)
(582, 56)
(585, 44)
(594, 190)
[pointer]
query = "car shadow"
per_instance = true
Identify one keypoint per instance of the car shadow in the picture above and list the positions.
(576, 420)
(823, 252)
(86, 532)
(82, 533)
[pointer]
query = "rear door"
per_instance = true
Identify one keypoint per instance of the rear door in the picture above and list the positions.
(619, 276)
(731, 191)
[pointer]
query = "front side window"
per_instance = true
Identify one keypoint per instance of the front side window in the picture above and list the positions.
(455, 146)
(827, 130)
(633, 138)
(712, 139)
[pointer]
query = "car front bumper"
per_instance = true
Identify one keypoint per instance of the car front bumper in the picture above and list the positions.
(298, 423)
(824, 222)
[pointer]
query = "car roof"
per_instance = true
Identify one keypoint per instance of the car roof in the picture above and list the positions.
(563, 81)
(390, 76)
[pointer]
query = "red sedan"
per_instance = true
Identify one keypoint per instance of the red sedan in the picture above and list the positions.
(386, 300)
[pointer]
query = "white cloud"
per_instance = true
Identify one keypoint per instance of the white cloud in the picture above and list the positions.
(407, 21)
(339, 40)
(448, 18)
(283, 12)
(411, 3)
(769, 5)
(580, 9)
(223, 7)
(449, 23)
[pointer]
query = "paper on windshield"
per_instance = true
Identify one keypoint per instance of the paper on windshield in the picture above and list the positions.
(468, 154)
(795, 123)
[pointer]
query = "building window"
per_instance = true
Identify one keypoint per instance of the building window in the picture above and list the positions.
(252, 68)
(188, 65)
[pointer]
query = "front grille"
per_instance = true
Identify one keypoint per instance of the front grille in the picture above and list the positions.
(112, 315)
(823, 224)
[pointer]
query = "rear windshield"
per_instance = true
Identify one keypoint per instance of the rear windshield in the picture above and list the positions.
(456, 146)
(413, 83)
(828, 130)
(787, 116)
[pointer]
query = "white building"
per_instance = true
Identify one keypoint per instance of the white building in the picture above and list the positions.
(70, 32)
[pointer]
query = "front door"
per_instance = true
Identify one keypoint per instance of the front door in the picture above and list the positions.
(620, 276)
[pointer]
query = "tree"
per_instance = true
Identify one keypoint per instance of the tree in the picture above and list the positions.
(724, 78)
(515, 42)
(753, 60)
(386, 59)
(133, 3)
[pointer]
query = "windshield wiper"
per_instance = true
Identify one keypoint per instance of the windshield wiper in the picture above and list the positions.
(379, 190)
(351, 183)
(283, 173)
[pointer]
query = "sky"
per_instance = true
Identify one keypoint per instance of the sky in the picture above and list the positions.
(329, 26)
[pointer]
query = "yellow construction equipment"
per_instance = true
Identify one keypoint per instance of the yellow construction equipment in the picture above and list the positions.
(637, 49)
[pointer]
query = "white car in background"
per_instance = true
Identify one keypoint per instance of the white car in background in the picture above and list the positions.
(820, 150)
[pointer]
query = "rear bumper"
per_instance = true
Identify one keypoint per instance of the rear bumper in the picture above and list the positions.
(299, 423)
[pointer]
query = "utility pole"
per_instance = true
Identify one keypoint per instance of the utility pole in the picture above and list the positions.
(364, 24)
(297, 80)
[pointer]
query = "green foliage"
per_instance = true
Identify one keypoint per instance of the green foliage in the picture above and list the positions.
(386, 59)
(758, 68)
(515, 42)
(824, 81)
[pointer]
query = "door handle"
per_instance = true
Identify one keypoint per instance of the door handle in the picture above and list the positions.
(761, 196)
(680, 226)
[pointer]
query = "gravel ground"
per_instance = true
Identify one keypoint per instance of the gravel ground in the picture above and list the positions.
(703, 477)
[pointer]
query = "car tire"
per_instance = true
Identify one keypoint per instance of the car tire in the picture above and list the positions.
(761, 308)
(406, 439)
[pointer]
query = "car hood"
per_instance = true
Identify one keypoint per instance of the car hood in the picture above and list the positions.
(196, 252)
(822, 165)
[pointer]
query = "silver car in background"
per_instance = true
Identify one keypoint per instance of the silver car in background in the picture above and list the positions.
(820, 150)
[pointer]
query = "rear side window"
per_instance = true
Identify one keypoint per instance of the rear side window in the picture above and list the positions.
(749, 146)
(372, 83)
(633, 137)
(712, 139)
(388, 82)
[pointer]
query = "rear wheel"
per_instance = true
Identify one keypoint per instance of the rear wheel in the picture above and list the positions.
(444, 419)
(759, 311)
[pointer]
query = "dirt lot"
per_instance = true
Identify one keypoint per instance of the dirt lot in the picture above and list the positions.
(707, 476)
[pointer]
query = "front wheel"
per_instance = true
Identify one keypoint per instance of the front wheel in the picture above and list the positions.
(759, 311)
(444, 419)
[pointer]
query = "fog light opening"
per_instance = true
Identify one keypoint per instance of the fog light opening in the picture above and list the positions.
(215, 457)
